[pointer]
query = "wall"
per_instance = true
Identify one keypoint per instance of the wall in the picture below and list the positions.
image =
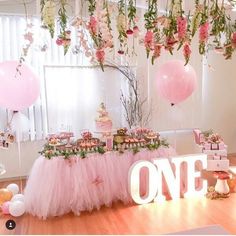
(219, 110)
(10, 158)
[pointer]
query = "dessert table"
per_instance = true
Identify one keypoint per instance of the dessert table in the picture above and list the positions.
(59, 186)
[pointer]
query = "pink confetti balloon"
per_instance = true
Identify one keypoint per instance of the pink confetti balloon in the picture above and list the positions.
(5, 208)
(17, 90)
(175, 81)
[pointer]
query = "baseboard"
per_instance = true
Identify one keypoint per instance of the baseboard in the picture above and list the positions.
(231, 155)
(11, 179)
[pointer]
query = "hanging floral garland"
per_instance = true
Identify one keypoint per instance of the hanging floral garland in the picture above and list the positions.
(209, 21)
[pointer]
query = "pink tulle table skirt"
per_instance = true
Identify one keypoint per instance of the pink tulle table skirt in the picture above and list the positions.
(59, 186)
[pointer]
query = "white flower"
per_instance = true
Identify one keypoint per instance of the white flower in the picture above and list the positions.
(48, 14)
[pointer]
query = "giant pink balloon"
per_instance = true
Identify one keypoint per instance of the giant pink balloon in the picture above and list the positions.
(17, 91)
(175, 81)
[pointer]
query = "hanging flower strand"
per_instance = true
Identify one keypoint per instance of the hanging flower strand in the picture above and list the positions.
(64, 36)
(131, 16)
(48, 15)
(203, 29)
(150, 23)
(99, 27)
(121, 27)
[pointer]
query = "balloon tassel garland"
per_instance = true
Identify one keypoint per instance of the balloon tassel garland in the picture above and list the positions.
(20, 124)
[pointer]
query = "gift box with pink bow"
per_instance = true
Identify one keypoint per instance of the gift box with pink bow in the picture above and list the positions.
(201, 137)
(214, 142)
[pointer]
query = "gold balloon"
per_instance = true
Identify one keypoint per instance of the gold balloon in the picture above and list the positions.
(5, 195)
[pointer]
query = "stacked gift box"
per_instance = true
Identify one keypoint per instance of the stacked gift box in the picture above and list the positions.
(213, 145)
(6, 138)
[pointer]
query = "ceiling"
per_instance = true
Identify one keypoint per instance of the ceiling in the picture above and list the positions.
(33, 6)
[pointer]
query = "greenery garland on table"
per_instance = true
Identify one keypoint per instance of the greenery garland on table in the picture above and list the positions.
(48, 151)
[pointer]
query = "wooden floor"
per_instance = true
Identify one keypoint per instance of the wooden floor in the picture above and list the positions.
(154, 218)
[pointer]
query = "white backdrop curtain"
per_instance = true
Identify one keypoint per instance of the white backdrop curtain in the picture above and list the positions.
(75, 93)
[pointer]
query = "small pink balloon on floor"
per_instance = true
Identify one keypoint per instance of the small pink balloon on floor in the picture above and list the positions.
(18, 90)
(176, 81)
(5, 208)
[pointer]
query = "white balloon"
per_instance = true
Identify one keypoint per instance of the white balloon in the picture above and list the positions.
(13, 188)
(18, 197)
(17, 208)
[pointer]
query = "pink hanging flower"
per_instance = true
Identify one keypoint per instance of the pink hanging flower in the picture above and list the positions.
(129, 31)
(148, 40)
(187, 52)
(233, 39)
(157, 50)
(203, 32)
(59, 41)
(136, 31)
(182, 27)
(92, 24)
(100, 55)
(121, 52)
(29, 36)
(170, 42)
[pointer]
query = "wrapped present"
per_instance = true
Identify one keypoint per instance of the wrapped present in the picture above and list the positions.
(109, 142)
(207, 146)
(213, 146)
(198, 136)
(216, 157)
(217, 165)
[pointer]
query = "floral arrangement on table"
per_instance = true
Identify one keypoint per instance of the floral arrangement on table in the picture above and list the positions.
(175, 29)
(123, 140)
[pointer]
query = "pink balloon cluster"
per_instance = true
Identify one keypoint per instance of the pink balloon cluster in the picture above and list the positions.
(18, 90)
(176, 81)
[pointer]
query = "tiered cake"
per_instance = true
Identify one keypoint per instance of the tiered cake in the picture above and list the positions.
(103, 122)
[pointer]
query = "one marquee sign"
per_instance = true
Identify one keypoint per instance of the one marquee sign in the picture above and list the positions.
(161, 168)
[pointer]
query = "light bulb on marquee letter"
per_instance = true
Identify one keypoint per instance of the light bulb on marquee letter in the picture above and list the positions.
(134, 183)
